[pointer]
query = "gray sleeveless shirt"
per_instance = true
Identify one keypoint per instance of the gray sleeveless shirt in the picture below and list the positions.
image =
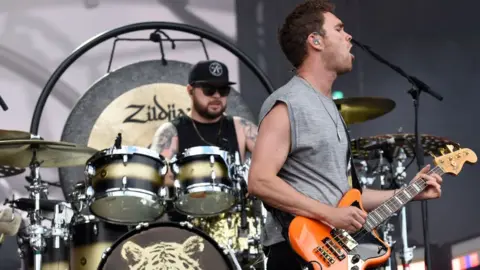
(317, 163)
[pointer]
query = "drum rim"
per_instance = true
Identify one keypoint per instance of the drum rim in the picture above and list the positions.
(140, 228)
(127, 150)
(216, 151)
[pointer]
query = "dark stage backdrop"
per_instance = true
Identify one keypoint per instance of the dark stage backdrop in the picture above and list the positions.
(434, 40)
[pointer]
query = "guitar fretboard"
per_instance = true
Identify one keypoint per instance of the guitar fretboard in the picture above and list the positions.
(397, 201)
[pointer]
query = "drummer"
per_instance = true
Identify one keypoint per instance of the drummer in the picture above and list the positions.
(207, 124)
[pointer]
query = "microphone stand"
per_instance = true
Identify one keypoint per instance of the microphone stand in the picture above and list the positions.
(417, 88)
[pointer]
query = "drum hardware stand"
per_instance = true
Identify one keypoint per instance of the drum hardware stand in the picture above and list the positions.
(406, 254)
(387, 237)
(78, 197)
(383, 169)
(228, 250)
(60, 224)
(36, 231)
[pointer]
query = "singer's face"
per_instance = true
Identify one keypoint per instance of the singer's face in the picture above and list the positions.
(207, 105)
(337, 45)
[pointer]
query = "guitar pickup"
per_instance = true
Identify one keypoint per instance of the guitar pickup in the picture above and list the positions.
(334, 248)
(344, 239)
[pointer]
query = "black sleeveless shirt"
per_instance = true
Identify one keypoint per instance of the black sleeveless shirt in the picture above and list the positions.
(221, 134)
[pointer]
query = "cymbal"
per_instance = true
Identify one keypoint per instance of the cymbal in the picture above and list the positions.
(431, 145)
(13, 135)
(6, 171)
(360, 109)
(19, 153)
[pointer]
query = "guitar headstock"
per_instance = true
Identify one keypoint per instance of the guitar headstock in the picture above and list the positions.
(452, 162)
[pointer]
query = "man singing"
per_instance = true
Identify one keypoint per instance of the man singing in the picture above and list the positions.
(299, 165)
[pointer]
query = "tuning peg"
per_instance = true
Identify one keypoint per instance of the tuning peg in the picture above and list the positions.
(431, 154)
(442, 151)
(450, 147)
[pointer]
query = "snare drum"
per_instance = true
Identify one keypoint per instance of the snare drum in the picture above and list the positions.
(125, 184)
(90, 237)
(203, 183)
(166, 245)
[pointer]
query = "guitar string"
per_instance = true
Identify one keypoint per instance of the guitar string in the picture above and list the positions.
(419, 180)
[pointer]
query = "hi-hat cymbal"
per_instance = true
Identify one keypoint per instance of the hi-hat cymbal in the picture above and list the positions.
(13, 135)
(360, 109)
(364, 148)
(19, 153)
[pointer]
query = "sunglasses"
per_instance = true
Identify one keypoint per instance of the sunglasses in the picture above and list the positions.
(210, 90)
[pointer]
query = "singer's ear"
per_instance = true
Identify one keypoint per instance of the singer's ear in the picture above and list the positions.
(315, 40)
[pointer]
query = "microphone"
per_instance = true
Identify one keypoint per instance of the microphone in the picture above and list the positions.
(118, 141)
(9, 222)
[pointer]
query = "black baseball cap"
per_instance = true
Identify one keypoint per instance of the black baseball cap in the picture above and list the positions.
(210, 72)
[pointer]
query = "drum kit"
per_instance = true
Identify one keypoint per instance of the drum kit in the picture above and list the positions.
(113, 218)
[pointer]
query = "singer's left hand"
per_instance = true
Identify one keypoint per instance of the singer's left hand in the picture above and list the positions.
(434, 182)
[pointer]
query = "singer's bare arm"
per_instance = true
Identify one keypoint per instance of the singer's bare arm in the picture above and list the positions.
(165, 142)
(271, 150)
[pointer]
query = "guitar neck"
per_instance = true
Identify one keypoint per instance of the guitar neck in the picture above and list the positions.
(397, 201)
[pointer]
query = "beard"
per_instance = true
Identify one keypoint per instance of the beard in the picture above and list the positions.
(204, 112)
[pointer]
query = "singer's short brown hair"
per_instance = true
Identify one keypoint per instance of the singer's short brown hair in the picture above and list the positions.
(305, 19)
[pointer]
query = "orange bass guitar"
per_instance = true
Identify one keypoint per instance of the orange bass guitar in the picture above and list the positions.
(328, 248)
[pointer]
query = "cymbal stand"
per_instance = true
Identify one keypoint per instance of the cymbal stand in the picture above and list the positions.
(406, 254)
(35, 230)
(387, 237)
(383, 171)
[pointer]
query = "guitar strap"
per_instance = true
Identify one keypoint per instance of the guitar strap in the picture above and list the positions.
(284, 218)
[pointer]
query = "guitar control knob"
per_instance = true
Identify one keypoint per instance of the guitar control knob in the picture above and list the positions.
(354, 268)
(355, 259)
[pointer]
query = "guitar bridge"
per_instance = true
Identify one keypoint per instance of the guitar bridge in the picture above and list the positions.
(344, 239)
(334, 248)
(323, 254)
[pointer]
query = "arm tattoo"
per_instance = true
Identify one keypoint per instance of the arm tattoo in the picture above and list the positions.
(163, 140)
(250, 129)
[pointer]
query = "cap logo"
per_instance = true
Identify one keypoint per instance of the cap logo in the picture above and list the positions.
(216, 69)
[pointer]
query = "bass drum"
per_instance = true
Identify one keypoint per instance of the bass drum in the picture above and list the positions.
(165, 246)
(90, 237)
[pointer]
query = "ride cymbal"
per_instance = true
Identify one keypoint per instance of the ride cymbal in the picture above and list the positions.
(360, 109)
(366, 148)
(19, 153)
(13, 135)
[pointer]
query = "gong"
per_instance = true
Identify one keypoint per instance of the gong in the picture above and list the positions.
(133, 100)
